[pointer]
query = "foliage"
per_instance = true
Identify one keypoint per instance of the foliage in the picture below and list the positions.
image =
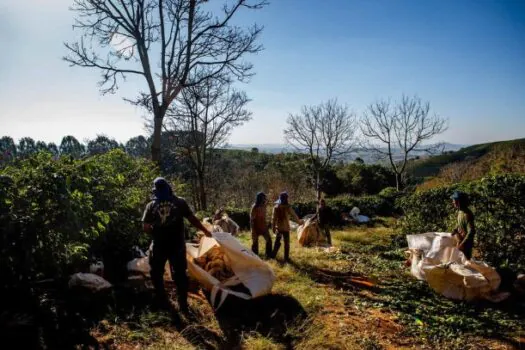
(498, 204)
(359, 179)
(388, 192)
(430, 167)
(55, 214)
(101, 144)
(7, 149)
(342, 205)
(501, 158)
(240, 216)
(138, 146)
(26, 147)
(71, 147)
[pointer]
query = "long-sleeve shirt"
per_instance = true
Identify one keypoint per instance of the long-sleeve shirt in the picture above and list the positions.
(465, 227)
(281, 216)
(258, 219)
(325, 216)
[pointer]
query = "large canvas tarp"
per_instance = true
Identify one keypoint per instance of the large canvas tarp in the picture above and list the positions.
(435, 259)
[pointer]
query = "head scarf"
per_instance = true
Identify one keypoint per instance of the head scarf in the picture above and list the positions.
(162, 190)
(259, 199)
(283, 198)
(461, 197)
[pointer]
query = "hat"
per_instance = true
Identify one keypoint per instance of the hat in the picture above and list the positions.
(161, 189)
(283, 198)
(160, 182)
(456, 196)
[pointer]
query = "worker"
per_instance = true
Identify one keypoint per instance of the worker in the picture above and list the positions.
(164, 219)
(465, 230)
(258, 224)
(218, 214)
(324, 216)
(281, 216)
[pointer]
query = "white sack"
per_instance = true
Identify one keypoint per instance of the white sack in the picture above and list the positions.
(141, 266)
(89, 281)
(309, 233)
(354, 213)
(226, 224)
(436, 259)
(247, 267)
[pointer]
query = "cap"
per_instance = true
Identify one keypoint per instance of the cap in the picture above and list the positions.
(457, 195)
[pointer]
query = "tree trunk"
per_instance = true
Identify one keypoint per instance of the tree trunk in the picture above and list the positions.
(202, 193)
(398, 182)
(318, 187)
(155, 145)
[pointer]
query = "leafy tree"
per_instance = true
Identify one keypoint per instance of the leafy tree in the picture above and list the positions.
(70, 146)
(7, 149)
(359, 179)
(26, 147)
(101, 144)
(41, 146)
(171, 44)
(53, 149)
(138, 146)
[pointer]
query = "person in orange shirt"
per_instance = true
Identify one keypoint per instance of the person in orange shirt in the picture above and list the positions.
(281, 216)
(258, 224)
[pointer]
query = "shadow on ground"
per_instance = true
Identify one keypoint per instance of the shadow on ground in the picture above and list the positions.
(347, 281)
(54, 317)
(271, 316)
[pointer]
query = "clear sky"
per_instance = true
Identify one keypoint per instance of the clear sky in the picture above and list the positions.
(467, 57)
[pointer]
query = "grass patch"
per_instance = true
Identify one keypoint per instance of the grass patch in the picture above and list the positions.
(359, 296)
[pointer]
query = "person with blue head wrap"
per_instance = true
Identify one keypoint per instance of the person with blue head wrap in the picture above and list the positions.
(258, 224)
(163, 218)
(281, 216)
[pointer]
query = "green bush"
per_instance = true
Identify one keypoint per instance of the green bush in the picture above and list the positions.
(55, 214)
(389, 192)
(498, 204)
(368, 205)
(240, 216)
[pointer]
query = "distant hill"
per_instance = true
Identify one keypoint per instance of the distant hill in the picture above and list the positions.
(471, 163)
(367, 156)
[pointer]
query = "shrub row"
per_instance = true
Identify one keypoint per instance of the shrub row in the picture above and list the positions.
(377, 205)
(57, 213)
(498, 204)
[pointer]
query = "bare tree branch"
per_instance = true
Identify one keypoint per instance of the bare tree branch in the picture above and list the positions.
(402, 128)
(206, 114)
(325, 132)
(173, 44)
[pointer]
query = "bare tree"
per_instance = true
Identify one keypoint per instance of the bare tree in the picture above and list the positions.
(325, 132)
(403, 128)
(206, 113)
(172, 44)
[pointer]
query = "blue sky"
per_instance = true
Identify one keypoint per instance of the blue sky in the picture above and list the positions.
(466, 57)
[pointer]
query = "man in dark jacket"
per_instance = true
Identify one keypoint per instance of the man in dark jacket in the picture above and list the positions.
(324, 217)
(164, 219)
